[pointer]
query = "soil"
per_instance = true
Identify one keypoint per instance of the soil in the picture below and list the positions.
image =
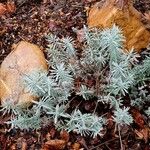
(32, 21)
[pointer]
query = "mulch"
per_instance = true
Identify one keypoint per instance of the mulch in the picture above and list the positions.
(32, 21)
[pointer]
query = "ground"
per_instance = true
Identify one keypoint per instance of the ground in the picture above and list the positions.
(32, 21)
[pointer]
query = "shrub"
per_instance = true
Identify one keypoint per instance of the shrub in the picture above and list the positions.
(115, 73)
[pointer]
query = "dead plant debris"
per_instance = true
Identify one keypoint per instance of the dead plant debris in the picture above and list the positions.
(32, 20)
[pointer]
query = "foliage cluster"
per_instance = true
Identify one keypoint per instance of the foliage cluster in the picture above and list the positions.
(118, 78)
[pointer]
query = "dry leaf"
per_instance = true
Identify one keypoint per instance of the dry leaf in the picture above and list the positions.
(54, 145)
(138, 118)
(25, 58)
(64, 135)
(13, 147)
(52, 25)
(143, 134)
(10, 7)
(123, 14)
(75, 146)
(3, 9)
(24, 145)
(52, 132)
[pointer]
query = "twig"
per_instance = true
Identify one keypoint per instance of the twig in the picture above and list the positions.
(121, 145)
(107, 146)
(104, 143)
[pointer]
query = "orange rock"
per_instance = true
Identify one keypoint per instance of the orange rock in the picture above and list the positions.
(25, 58)
(123, 14)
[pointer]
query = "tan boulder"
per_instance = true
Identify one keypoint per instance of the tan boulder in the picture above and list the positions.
(23, 59)
(123, 14)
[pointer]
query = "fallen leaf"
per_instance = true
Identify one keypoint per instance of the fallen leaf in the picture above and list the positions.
(52, 25)
(75, 146)
(64, 135)
(54, 145)
(8, 8)
(52, 132)
(143, 134)
(21, 143)
(11, 7)
(3, 9)
(24, 145)
(138, 118)
(13, 147)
